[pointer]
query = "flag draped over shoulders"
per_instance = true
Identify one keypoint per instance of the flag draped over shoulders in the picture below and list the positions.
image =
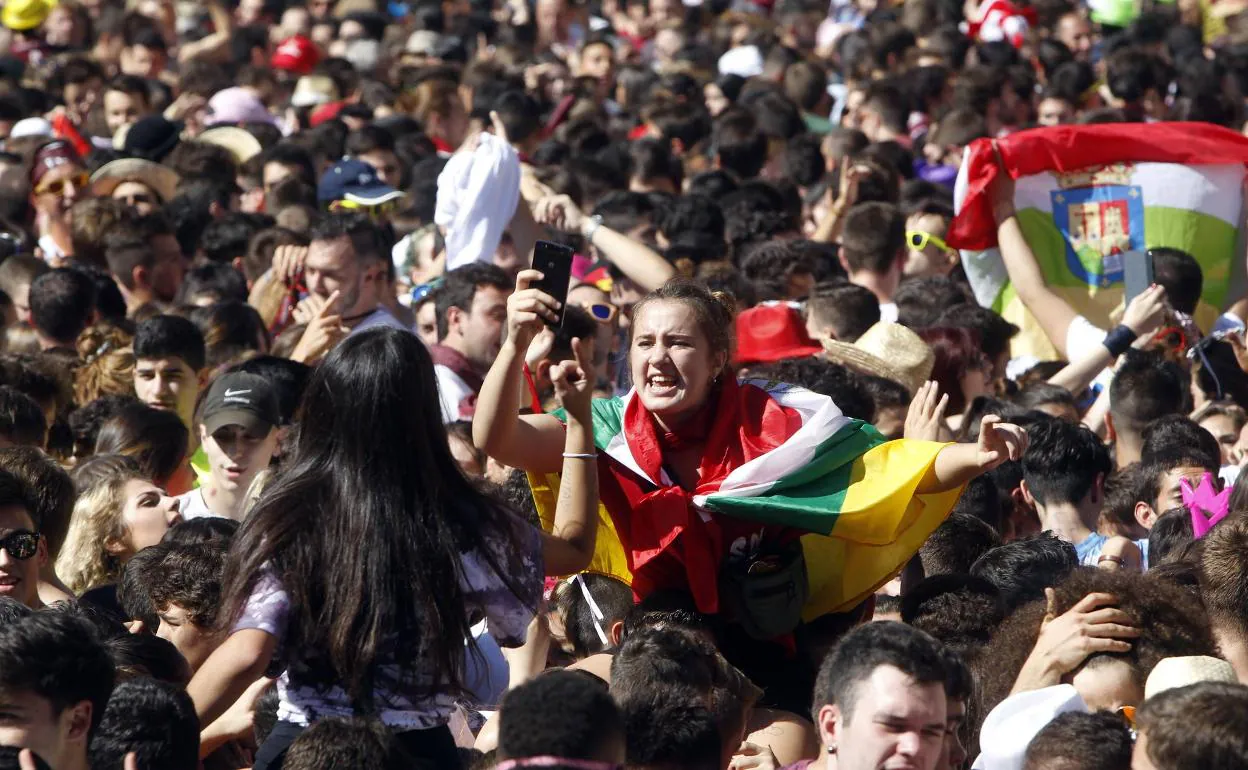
(778, 463)
(1091, 197)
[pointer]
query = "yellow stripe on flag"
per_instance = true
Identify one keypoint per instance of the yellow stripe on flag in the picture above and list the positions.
(609, 558)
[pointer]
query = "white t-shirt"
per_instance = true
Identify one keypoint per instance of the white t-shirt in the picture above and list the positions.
(451, 390)
(192, 506)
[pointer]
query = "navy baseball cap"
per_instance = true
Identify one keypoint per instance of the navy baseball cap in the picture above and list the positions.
(355, 181)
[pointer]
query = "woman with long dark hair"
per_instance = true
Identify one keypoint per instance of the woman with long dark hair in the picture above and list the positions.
(370, 555)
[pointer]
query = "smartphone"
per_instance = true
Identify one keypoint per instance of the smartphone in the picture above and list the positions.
(1137, 269)
(555, 263)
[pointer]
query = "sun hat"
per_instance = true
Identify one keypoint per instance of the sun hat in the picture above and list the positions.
(313, 90)
(22, 15)
(1170, 673)
(296, 54)
(236, 105)
(772, 332)
(162, 179)
(887, 350)
(239, 141)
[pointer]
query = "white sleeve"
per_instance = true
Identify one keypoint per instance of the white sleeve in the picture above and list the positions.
(1082, 337)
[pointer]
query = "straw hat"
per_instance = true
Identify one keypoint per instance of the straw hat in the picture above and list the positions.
(1170, 673)
(887, 350)
(241, 144)
(162, 179)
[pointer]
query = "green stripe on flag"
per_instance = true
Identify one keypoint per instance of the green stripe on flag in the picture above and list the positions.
(1210, 239)
(810, 497)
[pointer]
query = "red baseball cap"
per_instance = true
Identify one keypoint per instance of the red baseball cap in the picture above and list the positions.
(296, 54)
(772, 332)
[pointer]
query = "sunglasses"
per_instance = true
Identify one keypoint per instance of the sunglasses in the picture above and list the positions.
(57, 186)
(374, 212)
(21, 544)
(139, 198)
(918, 240)
(603, 314)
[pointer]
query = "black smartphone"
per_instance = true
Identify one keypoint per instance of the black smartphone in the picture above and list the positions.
(1137, 270)
(555, 263)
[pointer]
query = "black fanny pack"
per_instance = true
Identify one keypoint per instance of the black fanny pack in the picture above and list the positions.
(765, 594)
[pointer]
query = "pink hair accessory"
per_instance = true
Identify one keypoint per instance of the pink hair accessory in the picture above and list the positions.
(1206, 505)
(548, 761)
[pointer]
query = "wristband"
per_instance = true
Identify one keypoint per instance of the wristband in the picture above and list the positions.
(1119, 340)
(580, 456)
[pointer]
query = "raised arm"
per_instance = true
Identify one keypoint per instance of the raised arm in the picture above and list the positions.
(640, 264)
(533, 442)
(1143, 316)
(1052, 312)
(569, 547)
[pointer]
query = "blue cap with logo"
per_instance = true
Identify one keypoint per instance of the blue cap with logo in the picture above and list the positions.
(355, 181)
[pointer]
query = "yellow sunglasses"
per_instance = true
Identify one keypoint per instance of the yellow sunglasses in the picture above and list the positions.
(918, 240)
(57, 186)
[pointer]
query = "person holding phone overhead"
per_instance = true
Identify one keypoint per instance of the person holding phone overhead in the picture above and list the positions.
(713, 484)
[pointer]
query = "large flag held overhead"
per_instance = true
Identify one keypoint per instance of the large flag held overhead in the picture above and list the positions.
(1086, 196)
(780, 455)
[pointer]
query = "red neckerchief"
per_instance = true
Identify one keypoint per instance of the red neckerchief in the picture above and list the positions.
(454, 360)
(440, 145)
(668, 542)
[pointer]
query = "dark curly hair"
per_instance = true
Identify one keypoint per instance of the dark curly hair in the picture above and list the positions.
(1169, 622)
(190, 577)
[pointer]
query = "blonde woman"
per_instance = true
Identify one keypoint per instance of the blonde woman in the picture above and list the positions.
(118, 514)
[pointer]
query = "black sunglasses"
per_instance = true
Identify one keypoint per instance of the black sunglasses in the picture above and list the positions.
(21, 544)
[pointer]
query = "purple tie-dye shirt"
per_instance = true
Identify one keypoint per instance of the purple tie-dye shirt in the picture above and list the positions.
(303, 700)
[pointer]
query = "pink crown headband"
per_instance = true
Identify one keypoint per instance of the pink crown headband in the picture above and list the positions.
(1206, 505)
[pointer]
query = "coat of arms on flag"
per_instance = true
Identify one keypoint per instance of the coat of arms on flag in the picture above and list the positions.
(1101, 216)
(1086, 196)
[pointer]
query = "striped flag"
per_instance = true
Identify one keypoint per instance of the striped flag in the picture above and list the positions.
(1087, 195)
(786, 458)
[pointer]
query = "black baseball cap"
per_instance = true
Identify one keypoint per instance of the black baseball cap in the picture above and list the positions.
(239, 398)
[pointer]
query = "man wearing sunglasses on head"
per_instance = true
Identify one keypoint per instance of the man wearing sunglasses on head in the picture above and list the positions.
(58, 179)
(353, 185)
(22, 549)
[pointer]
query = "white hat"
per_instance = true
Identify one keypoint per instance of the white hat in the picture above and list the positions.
(30, 127)
(423, 42)
(1170, 673)
(1010, 727)
(745, 61)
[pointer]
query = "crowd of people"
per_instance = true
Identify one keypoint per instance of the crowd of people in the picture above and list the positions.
(304, 465)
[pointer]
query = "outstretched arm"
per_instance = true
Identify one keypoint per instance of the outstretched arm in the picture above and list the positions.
(957, 464)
